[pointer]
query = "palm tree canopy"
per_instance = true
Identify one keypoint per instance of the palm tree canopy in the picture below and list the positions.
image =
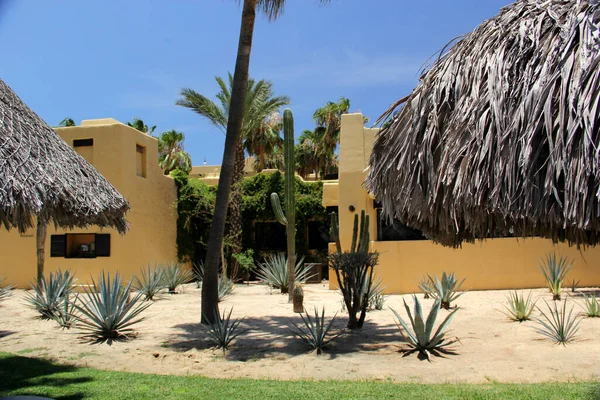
(260, 126)
(41, 175)
(67, 122)
(274, 8)
(171, 154)
(500, 137)
(141, 126)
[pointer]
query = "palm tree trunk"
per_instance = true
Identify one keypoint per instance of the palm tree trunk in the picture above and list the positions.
(235, 209)
(210, 301)
(40, 241)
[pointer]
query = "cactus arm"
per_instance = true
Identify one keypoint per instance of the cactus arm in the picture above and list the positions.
(354, 234)
(335, 232)
(276, 204)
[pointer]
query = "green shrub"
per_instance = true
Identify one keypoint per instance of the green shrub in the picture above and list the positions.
(420, 334)
(107, 313)
(274, 271)
(557, 325)
(151, 282)
(245, 262)
(519, 308)
(224, 330)
(316, 332)
(555, 270)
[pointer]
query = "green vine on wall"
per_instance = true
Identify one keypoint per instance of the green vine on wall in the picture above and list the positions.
(196, 201)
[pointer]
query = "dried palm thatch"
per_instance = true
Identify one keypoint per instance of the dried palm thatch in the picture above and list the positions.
(40, 175)
(501, 135)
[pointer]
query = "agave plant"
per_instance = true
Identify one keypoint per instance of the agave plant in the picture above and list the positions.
(574, 285)
(151, 282)
(376, 296)
(555, 270)
(48, 294)
(592, 306)
(316, 334)
(5, 290)
(519, 308)
(426, 286)
(274, 271)
(445, 289)
(223, 330)
(420, 334)
(175, 275)
(66, 314)
(107, 313)
(198, 272)
(225, 288)
(557, 325)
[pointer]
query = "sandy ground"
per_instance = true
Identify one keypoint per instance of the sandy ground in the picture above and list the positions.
(169, 341)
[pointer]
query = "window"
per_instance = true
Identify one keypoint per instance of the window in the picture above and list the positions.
(140, 160)
(80, 245)
(269, 236)
(85, 148)
(318, 235)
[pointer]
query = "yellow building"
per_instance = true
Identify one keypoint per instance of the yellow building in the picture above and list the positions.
(503, 263)
(128, 159)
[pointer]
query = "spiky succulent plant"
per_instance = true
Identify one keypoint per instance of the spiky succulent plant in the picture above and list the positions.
(5, 290)
(555, 270)
(274, 271)
(225, 287)
(591, 306)
(107, 312)
(420, 334)
(445, 289)
(47, 294)
(519, 308)
(556, 324)
(66, 315)
(223, 330)
(150, 282)
(426, 286)
(175, 275)
(316, 331)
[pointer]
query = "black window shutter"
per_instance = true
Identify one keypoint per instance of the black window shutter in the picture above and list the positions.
(102, 245)
(58, 245)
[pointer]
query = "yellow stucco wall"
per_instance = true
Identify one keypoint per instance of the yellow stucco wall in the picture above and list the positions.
(492, 264)
(153, 215)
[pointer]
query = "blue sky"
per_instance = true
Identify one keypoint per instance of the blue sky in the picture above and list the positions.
(125, 59)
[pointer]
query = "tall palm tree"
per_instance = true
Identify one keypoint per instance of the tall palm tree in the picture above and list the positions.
(272, 9)
(171, 154)
(140, 126)
(67, 122)
(259, 134)
(329, 117)
(264, 142)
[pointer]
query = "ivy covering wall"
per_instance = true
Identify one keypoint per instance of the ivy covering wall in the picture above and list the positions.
(196, 204)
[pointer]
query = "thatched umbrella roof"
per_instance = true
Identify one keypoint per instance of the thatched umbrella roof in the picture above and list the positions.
(40, 175)
(501, 135)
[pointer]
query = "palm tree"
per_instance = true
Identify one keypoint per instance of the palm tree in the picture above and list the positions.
(67, 122)
(272, 9)
(264, 143)
(171, 154)
(140, 126)
(329, 117)
(259, 135)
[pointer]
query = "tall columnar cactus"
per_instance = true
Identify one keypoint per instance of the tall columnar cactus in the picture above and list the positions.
(289, 219)
(354, 268)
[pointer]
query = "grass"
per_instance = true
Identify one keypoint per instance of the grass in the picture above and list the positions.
(31, 376)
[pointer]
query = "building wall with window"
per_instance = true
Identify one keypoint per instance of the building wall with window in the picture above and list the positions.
(128, 159)
(405, 256)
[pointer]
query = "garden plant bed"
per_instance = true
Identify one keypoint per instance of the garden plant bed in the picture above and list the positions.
(170, 341)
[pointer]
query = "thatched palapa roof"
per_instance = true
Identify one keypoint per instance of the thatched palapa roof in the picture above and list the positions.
(40, 175)
(501, 135)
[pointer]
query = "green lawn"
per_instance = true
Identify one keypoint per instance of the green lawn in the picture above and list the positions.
(21, 375)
